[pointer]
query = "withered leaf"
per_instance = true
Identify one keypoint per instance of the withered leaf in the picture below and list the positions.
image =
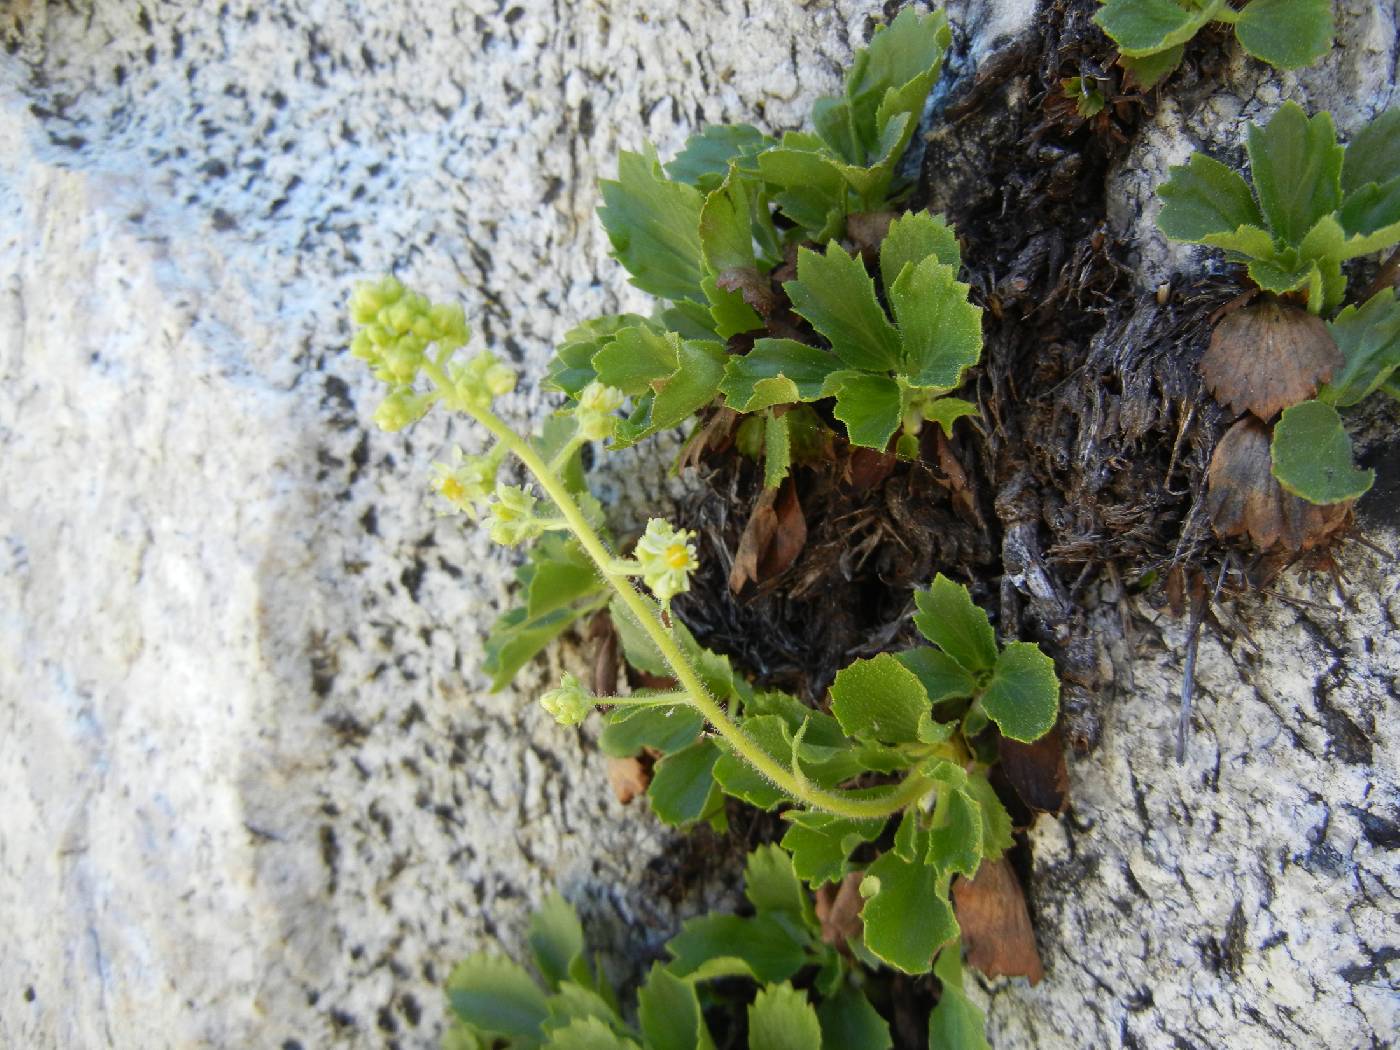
(838, 910)
(755, 287)
(715, 434)
(996, 928)
(773, 538)
(604, 638)
(1243, 497)
(1265, 357)
(866, 230)
(1037, 771)
(629, 777)
(866, 468)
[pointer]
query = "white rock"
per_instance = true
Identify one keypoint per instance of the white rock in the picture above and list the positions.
(256, 793)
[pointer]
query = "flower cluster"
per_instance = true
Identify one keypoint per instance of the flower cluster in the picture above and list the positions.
(570, 703)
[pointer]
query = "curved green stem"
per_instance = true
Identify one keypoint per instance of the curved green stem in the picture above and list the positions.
(839, 803)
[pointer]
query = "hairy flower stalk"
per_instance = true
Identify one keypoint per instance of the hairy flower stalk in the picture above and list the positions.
(406, 324)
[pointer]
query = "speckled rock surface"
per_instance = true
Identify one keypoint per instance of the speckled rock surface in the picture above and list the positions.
(256, 793)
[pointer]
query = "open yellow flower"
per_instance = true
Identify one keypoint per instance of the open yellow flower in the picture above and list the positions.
(667, 558)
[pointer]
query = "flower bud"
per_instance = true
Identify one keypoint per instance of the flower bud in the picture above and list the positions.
(399, 409)
(513, 516)
(483, 378)
(667, 558)
(596, 405)
(570, 703)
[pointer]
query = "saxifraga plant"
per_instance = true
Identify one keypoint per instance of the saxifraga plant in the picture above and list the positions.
(570, 1005)
(753, 316)
(922, 716)
(1152, 34)
(1311, 205)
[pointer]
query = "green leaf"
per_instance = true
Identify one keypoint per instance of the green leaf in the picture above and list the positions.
(1278, 276)
(1249, 241)
(726, 237)
(560, 582)
(669, 1012)
(771, 885)
(460, 1037)
(705, 160)
(588, 1033)
(629, 729)
(1204, 197)
(781, 1018)
(572, 1002)
(636, 358)
(729, 313)
(837, 296)
(955, 1023)
(1287, 34)
(943, 678)
(654, 227)
(940, 330)
(1143, 27)
(740, 779)
(911, 239)
(689, 319)
(556, 939)
(1297, 166)
(996, 822)
(777, 450)
(948, 618)
(871, 406)
(764, 947)
(1023, 697)
(683, 788)
(820, 843)
(1371, 217)
(1373, 154)
(908, 917)
(496, 996)
(956, 844)
(879, 699)
(1312, 455)
(810, 188)
(693, 385)
(571, 369)
(515, 639)
(892, 76)
(1146, 71)
(1369, 338)
(849, 1022)
(946, 411)
(775, 372)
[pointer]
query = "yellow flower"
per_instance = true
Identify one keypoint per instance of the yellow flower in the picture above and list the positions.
(667, 558)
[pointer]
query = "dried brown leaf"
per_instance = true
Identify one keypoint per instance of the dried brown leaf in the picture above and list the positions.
(866, 230)
(1266, 357)
(629, 778)
(838, 910)
(773, 538)
(1037, 771)
(996, 928)
(1244, 498)
(753, 286)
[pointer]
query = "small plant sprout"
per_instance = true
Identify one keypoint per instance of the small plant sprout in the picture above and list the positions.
(1152, 34)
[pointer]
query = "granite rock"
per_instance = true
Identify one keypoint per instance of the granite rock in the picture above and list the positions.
(256, 790)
